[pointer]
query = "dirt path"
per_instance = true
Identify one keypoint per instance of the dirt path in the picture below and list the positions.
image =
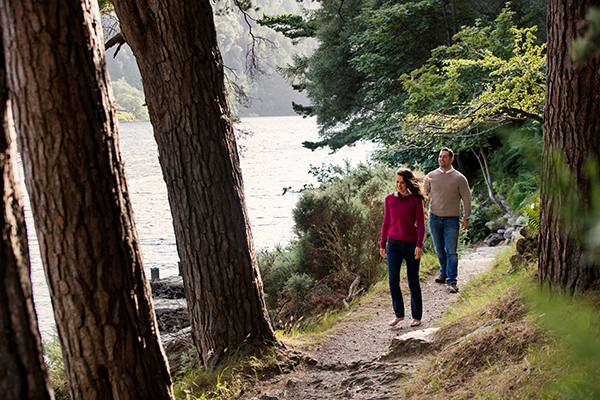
(347, 362)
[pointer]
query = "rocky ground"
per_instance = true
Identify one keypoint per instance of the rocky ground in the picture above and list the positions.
(364, 358)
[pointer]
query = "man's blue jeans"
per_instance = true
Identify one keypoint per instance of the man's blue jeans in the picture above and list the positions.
(398, 251)
(444, 232)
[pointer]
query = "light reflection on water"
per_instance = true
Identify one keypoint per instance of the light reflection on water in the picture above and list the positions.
(272, 158)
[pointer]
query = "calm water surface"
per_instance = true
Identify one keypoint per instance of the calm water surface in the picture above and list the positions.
(272, 158)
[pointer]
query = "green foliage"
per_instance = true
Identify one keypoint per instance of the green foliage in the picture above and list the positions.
(517, 164)
(228, 380)
(482, 212)
(576, 324)
(56, 368)
(283, 279)
(532, 211)
(291, 25)
(399, 34)
(105, 6)
(339, 223)
(586, 47)
(490, 76)
(352, 78)
(130, 99)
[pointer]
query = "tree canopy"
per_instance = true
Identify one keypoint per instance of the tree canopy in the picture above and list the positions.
(353, 78)
(488, 77)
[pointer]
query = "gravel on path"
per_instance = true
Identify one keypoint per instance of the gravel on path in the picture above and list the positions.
(347, 363)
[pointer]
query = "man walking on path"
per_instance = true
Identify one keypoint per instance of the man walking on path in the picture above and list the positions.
(446, 187)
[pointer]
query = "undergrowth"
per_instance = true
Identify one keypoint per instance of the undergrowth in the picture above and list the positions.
(507, 339)
(232, 377)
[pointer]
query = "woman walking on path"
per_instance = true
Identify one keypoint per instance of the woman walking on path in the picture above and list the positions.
(402, 237)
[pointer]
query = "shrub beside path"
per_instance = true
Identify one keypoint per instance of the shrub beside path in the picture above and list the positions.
(350, 361)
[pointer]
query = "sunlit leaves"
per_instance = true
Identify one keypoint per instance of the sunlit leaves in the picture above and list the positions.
(488, 77)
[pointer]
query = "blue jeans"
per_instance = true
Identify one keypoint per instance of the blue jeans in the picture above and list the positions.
(444, 232)
(397, 251)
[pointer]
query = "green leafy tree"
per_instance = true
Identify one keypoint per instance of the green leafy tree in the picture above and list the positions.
(491, 76)
(130, 99)
(352, 78)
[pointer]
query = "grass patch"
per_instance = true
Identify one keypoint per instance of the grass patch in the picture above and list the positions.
(232, 377)
(504, 338)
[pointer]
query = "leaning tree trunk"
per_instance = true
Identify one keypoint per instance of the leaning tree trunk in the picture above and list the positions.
(175, 46)
(22, 370)
(69, 145)
(571, 130)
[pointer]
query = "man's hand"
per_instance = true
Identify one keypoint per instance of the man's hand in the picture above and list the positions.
(418, 252)
(382, 252)
(465, 224)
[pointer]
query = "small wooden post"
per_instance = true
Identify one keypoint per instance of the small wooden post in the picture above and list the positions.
(154, 274)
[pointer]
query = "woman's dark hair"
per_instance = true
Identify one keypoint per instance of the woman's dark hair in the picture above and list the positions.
(413, 183)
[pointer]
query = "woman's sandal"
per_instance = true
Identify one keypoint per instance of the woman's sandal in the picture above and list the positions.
(415, 322)
(395, 321)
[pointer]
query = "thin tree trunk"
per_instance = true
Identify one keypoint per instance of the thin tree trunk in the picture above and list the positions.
(175, 45)
(572, 120)
(68, 138)
(22, 370)
(485, 170)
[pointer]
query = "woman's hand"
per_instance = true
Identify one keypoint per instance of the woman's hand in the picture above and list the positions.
(382, 252)
(418, 252)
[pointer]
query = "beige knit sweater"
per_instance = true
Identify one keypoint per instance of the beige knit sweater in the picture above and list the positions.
(445, 191)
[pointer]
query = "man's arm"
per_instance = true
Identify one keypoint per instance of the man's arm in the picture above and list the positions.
(465, 195)
(427, 192)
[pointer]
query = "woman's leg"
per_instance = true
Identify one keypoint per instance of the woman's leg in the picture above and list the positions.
(395, 256)
(412, 274)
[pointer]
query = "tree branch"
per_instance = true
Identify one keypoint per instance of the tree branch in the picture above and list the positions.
(113, 41)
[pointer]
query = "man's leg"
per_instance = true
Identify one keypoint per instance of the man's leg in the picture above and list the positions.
(436, 228)
(451, 229)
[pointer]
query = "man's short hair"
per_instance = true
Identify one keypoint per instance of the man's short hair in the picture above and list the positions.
(449, 152)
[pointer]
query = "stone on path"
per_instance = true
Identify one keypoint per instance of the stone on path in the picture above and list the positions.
(410, 343)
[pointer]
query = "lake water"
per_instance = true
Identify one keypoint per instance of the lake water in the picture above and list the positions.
(272, 158)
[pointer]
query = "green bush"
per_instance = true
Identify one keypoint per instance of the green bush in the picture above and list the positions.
(129, 102)
(338, 224)
(283, 280)
(483, 211)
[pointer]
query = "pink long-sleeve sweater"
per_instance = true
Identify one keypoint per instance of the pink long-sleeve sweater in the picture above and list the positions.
(404, 219)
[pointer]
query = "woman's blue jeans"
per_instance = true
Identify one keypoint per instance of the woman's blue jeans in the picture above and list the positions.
(444, 232)
(397, 251)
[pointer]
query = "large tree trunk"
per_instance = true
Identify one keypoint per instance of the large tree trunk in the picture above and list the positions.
(572, 129)
(22, 371)
(175, 45)
(73, 171)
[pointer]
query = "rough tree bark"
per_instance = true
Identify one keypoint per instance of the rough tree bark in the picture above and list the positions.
(571, 128)
(68, 138)
(175, 46)
(22, 370)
